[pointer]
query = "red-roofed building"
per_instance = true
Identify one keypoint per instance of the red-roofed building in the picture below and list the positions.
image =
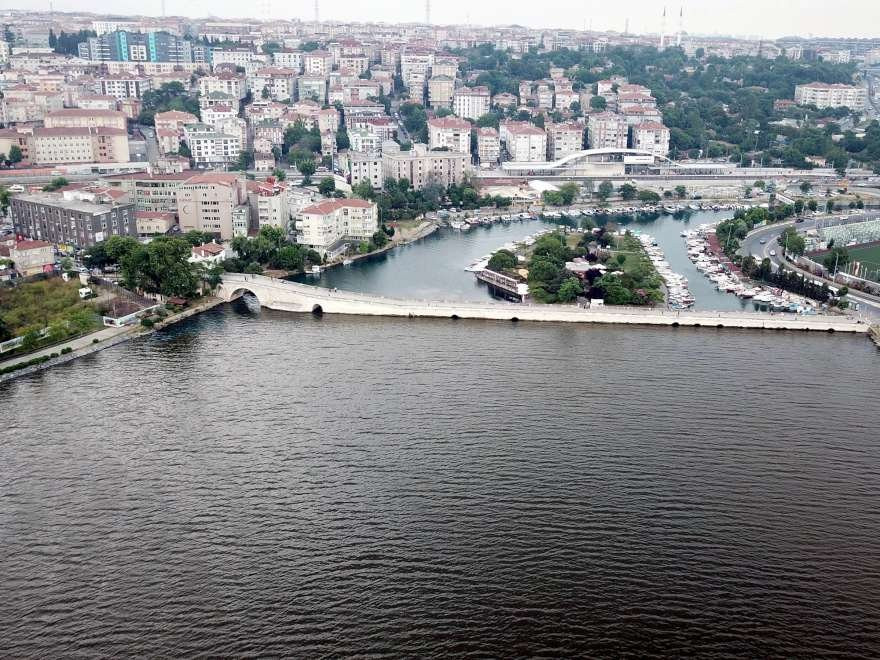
(651, 136)
(450, 133)
(329, 227)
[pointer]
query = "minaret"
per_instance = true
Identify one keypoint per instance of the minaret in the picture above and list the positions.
(626, 26)
(428, 12)
(663, 31)
(680, 25)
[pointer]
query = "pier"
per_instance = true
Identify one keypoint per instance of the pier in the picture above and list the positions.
(293, 297)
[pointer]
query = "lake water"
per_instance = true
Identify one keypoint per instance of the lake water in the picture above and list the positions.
(277, 484)
(433, 268)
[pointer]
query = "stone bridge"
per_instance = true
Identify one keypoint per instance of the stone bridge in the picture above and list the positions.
(293, 297)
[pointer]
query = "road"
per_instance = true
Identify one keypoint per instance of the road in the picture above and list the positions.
(149, 134)
(752, 245)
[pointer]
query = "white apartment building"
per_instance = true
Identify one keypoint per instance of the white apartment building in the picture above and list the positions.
(523, 141)
(488, 145)
(124, 86)
(326, 225)
(824, 95)
(289, 59)
(451, 133)
(279, 83)
(234, 56)
(606, 130)
(317, 63)
(225, 83)
(651, 136)
(210, 148)
(364, 141)
(471, 102)
(365, 167)
(564, 140)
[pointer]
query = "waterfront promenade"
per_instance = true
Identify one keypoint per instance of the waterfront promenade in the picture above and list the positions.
(293, 297)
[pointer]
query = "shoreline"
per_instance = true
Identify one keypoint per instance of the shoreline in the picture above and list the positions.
(429, 228)
(131, 332)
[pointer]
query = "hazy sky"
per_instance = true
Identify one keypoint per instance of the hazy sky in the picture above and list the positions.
(768, 18)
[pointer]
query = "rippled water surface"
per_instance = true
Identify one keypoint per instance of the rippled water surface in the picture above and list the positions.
(279, 484)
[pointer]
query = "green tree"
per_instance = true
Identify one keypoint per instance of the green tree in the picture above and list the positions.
(812, 205)
(307, 169)
(56, 184)
(569, 290)
(829, 206)
(502, 260)
(606, 188)
(648, 197)
(806, 187)
(836, 259)
(326, 186)
(680, 192)
(15, 155)
(628, 191)
(598, 103)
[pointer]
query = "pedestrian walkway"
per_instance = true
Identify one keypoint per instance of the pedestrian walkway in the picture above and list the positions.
(75, 344)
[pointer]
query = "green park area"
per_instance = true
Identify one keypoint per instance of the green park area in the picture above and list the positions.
(54, 305)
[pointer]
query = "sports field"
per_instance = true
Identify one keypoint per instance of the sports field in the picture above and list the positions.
(869, 257)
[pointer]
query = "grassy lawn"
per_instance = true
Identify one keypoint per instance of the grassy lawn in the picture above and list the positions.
(869, 257)
(52, 302)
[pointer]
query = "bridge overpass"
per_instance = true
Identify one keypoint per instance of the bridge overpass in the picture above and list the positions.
(293, 297)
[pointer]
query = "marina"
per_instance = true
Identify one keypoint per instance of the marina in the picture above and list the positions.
(727, 279)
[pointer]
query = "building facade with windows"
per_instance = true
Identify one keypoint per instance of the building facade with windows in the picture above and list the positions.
(67, 218)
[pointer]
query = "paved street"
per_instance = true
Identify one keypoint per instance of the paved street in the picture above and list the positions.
(753, 246)
(81, 342)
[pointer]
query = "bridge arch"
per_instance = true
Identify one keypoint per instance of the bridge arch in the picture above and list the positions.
(241, 291)
(317, 310)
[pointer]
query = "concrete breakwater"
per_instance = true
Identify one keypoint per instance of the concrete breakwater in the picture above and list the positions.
(289, 296)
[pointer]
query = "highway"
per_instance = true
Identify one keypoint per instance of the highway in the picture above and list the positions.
(752, 245)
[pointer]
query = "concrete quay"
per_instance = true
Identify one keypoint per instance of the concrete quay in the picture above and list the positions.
(293, 297)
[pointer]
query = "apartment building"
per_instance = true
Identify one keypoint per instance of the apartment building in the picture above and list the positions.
(149, 192)
(651, 136)
(317, 63)
(365, 167)
(422, 166)
(269, 203)
(415, 67)
(364, 141)
(279, 84)
(312, 87)
(211, 147)
(564, 140)
(289, 59)
(524, 142)
(234, 56)
(32, 257)
(440, 89)
(824, 95)
(449, 133)
(327, 225)
(123, 85)
(51, 146)
(488, 145)
(606, 130)
(226, 83)
(471, 102)
(71, 217)
(127, 46)
(81, 118)
(208, 202)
